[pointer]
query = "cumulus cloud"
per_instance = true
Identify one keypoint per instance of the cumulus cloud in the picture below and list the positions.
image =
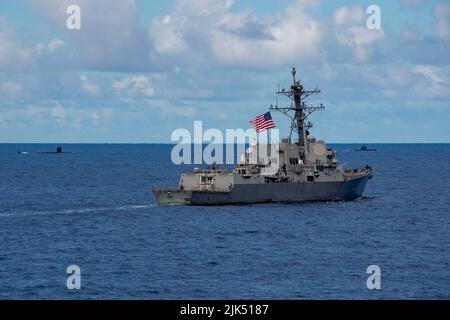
(88, 86)
(168, 109)
(65, 114)
(425, 49)
(14, 55)
(430, 72)
(18, 54)
(211, 31)
(51, 47)
(433, 83)
(351, 32)
(376, 82)
(110, 38)
(137, 85)
(202, 58)
(54, 45)
(167, 39)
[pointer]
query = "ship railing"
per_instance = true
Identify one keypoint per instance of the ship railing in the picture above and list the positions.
(212, 190)
(354, 173)
(206, 172)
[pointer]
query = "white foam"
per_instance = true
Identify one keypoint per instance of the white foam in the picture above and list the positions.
(75, 211)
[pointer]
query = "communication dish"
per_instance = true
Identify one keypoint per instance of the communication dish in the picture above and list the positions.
(254, 142)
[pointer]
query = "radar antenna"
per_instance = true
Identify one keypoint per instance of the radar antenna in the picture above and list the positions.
(302, 110)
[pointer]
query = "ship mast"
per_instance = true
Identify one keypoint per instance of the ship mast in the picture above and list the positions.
(302, 110)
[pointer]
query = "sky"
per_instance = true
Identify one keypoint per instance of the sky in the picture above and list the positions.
(137, 70)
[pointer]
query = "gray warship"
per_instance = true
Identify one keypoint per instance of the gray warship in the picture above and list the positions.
(307, 170)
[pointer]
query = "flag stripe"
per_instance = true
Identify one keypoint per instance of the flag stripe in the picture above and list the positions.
(263, 122)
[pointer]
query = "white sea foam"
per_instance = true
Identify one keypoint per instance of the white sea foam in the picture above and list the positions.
(78, 211)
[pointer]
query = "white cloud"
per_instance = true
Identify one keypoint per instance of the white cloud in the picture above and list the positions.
(88, 86)
(295, 38)
(209, 31)
(349, 16)
(433, 84)
(430, 72)
(20, 53)
(442, 21)
(400, 82)
(110, 38)
(351, 31)
(58, 113)
(13, 54)
(54, 45)
(10, 90)
(67, 114)
(167, 109)
(135, 85)
(166, 38)
(388, 76)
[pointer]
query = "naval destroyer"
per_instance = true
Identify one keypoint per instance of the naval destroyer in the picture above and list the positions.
(307, 170)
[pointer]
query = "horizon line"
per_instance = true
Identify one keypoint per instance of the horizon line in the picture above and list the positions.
(175, 143)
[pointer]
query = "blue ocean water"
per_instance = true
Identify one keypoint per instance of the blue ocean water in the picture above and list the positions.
(94, 208)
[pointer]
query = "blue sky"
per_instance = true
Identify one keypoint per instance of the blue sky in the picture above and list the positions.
(138, 69)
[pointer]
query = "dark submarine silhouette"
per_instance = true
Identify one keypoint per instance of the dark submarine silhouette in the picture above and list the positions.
(58, 150)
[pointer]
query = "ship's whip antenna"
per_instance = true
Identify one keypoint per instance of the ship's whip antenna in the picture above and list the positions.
(276, 96)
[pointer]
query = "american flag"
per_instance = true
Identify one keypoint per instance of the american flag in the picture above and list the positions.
(263, 122)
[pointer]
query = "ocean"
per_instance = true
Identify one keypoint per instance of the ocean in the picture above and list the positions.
(94, 208)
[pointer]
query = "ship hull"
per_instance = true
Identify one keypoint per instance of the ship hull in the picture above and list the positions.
(267, 192)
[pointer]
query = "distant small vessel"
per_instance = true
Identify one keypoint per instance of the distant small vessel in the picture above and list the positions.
(364, 148)
(22, 152)
(58, 150)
